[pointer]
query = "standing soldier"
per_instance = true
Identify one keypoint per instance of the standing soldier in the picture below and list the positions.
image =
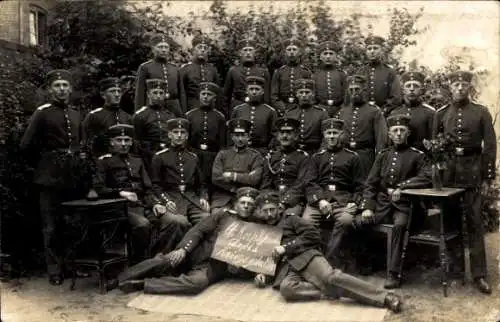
(283, 82)
(330, 82)
(177, 178)
(285, 168)
(364, 125)
(260, 115)
(160, 68)
(384, 88)
(97, 122)
(198, 71)
(150, 122)
(54, 129)
(127, 101)
(437, 97)
(421, 114)
(235, 167)
(208, 130)
(235, 87)
(471, 126)
(309, 115)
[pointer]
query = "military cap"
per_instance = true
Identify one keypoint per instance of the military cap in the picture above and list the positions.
(160, 38)
(328, 45)
(266, 197)
(374, 40)
(155, 83)
(57, 74)
(413, 76)
(287, 123)
(209, 86)
(304, 83)
(127, 78)
(121, 130)
(255, 80)
(398, 119)
(460, 75)
(292, 42)
(247, 192)
(239, 125)
(438, 92)
(177, 123)
(246, 43)
(200, 39)
(356, 80)
(332, 124)
(109, 83)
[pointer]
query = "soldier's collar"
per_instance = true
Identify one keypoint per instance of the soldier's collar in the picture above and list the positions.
(401, 147)
(240, 150)
(462, 103)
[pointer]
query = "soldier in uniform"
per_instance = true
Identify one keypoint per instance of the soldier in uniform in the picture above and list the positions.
(97, 122)
(330, 82)
(283, 83)
(437, 97)
(384, 88)
(177, 177)
(285, 168)
(119, 174)
(208, 130)
(127, 101)
(150, 122)
(333, 180)
(309, 115)
(392, 172)
(260, 115)
(235, 167)
(193, 252)
(303, 273)
(160, 68)
(364, 125)
(421, 114)
(198, 71)
(473, 168)
(54, 130)
(235, 87)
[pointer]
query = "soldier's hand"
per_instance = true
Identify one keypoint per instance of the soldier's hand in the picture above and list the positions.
(159, 210)
(228, 176)
(396, 194)
(367, 214)
(160, 255)
(278, 251)
(485, 185)
(325, 207)
(205, 205)
(260, 280)
(176, 257)
(130, 196)
(92, 195)
(351, 208)
(171, 206)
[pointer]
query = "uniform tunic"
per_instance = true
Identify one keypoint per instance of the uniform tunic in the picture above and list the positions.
(283, 87)
(192, 74)
(248, 165)
(235, 86)
(384, 87)
(262, 117)
(310, 118)
(331, 87)
(421, 118)
(160, 69)
(366, 132)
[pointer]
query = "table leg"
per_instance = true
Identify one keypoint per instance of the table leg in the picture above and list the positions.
(443, 252)
(465, 243)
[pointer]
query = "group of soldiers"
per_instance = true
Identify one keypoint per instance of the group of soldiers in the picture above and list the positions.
(322, 147)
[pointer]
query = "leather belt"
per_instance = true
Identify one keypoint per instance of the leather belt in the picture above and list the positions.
(461, 151)
(360, 145)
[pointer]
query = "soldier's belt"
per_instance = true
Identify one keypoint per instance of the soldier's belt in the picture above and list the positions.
(467, 151)
(327, 102)
(356, 145)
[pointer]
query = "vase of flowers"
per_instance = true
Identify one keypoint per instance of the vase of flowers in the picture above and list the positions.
(440, 151)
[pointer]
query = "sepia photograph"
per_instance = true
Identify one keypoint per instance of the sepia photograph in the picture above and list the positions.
(249, 161)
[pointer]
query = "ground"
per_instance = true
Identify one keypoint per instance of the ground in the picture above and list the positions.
(33, 299)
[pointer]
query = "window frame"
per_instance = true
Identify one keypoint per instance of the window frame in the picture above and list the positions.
(39, 32)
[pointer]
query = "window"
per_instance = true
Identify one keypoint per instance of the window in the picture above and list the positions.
(37, 26)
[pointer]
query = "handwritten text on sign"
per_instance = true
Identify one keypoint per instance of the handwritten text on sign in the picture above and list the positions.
(247, 245)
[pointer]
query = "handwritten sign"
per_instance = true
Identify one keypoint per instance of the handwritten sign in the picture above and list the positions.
(247, 245)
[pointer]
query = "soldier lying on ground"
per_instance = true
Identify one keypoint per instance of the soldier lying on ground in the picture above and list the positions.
(194, 253)
(303, 273)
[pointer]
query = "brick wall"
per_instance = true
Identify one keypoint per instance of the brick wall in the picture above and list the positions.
(9, 20)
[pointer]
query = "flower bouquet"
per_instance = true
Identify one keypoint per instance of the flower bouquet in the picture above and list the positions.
(440, 150)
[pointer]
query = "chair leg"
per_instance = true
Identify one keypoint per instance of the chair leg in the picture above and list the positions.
(102, 281)
(389, 253)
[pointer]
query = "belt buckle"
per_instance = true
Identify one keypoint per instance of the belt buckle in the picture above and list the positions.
(352, 144)
(163, 145)
(291, 100)
(182, 187)
(330, 102)
(282, 187)
(167, 95)
(68, 151)
(247, 99)
(332, 187)
(390, 191)
(203, 146)
(459, 151)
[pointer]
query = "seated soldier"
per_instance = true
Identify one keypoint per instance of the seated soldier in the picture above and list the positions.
(303, 273)
(235, 167)
(285, 169)
(382, 200)
(178, 180)
(194, 252)
(121, 175)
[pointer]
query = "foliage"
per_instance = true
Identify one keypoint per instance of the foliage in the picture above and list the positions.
(440, 149)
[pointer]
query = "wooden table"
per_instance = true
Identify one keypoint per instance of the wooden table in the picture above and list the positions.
(102, 214)
(441, 197)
